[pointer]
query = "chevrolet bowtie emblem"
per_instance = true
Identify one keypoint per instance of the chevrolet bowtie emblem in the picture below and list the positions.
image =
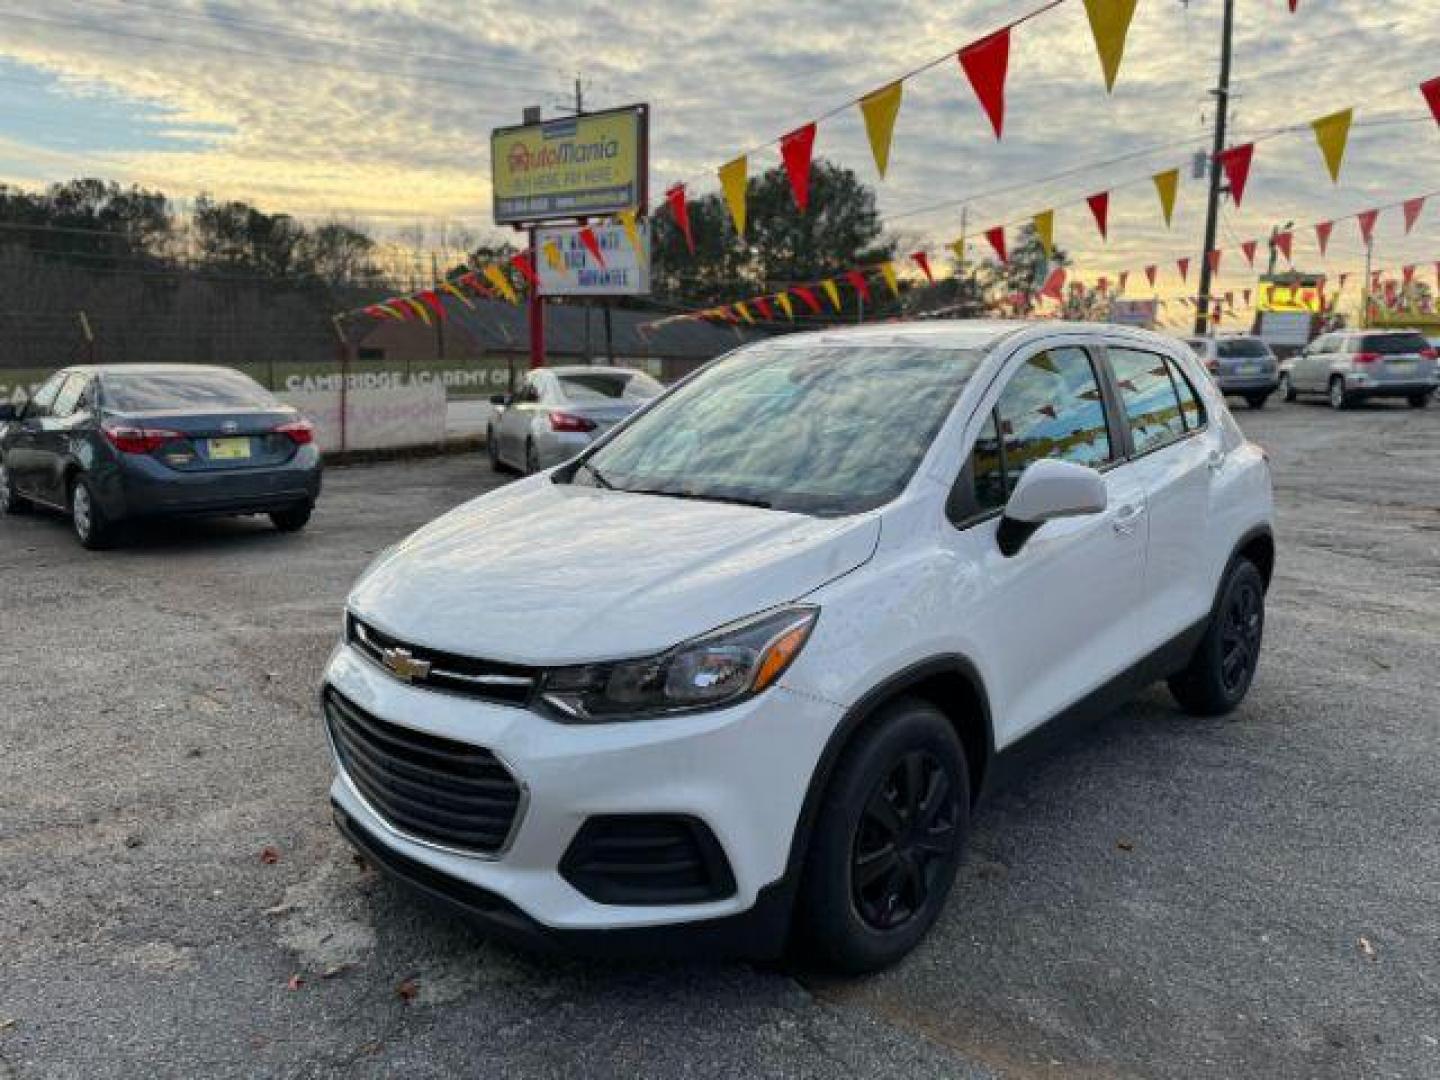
(403, 665)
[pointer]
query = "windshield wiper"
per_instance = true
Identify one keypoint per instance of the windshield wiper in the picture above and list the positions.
(597, 474)
(700, 496)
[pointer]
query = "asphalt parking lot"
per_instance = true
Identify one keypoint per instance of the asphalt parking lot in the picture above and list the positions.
(1250, 897)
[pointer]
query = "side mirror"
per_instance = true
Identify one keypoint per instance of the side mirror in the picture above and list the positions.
(500, 400)
(1047, 490)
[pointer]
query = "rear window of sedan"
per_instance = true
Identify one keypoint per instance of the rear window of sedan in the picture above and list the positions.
(161, 391)
(596, 387)
(1237, 348)
(1393, 344)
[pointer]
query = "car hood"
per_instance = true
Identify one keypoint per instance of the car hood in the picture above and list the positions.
(541, 573)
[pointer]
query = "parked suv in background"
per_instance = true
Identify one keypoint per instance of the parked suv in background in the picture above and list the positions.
(756, 653)
(1350, 365)
(114, 443)
(1242, 366)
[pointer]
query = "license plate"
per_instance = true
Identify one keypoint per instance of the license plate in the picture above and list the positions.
(228, 449)
(1401, 365)
(1250, 369)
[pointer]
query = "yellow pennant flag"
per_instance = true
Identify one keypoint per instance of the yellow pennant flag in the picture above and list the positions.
(496, 277)
(1110, 22)
(887, 271)
(627, 219)
(832, 292)
(551, 251)
(744, 313)
(1044, 223)
(958, 247)
(419, 309)
(390, 310)
(1166, 184)
(734, 181)
(783, 299)
(1332, 133)
(880, 110)
(451, 288)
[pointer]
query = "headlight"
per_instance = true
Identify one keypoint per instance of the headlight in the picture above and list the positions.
(721, 668)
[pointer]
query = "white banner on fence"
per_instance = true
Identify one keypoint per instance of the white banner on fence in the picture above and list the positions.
(624, 274)
(411, 415)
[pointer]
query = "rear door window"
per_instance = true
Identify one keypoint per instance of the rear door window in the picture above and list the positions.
(1150, 396)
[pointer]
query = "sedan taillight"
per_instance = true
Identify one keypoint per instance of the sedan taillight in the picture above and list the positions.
(564, 421)
(1366, 358)
(300, 432)
(138, 440)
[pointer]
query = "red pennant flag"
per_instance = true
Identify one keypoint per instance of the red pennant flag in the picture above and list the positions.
(1054, 284)
(1248, 247)
(1412, 212)
(1236, 163)
(431, 299)
(1408, 274)
(857, 281)
(1150, 272)
(1343, 279)
(1322, 234)
(923, 261)
(1284, 241)
(1214, 260)
(1246, 294)
(985, 63)
(996, 236)
(762, 304)
(1293, 5)
(1431, 90)
(681, 213)
(1184, 265)
(1124, 277)
(1229, 298)
(592, 242)
(521, 262)
(1100, 207)
(809, 297)
(1367, 224)
(795, 149)
(1102, 284)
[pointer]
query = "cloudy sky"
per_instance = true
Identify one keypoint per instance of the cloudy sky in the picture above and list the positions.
(380, 109)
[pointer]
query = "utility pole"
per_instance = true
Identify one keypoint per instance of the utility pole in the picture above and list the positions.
(1212, 208)
(1365, 286)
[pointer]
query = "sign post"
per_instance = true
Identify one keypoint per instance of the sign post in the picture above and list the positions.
(567, 170)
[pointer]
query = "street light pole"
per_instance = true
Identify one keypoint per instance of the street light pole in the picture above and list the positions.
(1212, 208)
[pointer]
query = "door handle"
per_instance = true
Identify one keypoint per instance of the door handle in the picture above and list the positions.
(1126, 518)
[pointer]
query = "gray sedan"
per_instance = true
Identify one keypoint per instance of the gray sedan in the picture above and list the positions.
(112, 443)
(557, 412)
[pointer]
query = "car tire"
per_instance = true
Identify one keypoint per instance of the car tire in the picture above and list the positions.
(492, 450)
(1220, 672)
(10, 501)
(532, 459)
(1339, 399)
(293, 519)
(92, 528)
(1287, 388)
(1418, 401)
(1257, 401)
(874, 809)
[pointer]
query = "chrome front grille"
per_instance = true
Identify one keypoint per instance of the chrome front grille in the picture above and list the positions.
(489, 680)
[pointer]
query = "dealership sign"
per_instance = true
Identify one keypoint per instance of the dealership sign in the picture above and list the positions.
(581, 166)
(625, 271)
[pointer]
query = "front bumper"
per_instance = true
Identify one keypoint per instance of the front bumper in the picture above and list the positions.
(742, 771)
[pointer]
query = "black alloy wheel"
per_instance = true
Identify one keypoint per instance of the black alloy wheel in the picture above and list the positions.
(907, 835)
(1240, 636)
(1220, 672)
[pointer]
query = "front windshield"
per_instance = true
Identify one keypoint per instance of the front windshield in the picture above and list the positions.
(816, 429)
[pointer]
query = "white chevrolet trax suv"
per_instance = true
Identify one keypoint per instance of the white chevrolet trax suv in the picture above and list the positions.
(738, 673)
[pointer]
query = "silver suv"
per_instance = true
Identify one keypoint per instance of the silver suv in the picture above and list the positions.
(1350, 365)
(1242, 366)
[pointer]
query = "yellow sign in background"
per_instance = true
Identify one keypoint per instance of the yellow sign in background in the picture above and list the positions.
(1272, 296)
(580, 166)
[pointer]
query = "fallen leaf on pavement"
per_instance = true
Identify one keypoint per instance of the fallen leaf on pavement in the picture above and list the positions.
(269, 856)
(1125, 845)
(336, 969)
(407, 990)
(1367, 948)
(295, 982)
